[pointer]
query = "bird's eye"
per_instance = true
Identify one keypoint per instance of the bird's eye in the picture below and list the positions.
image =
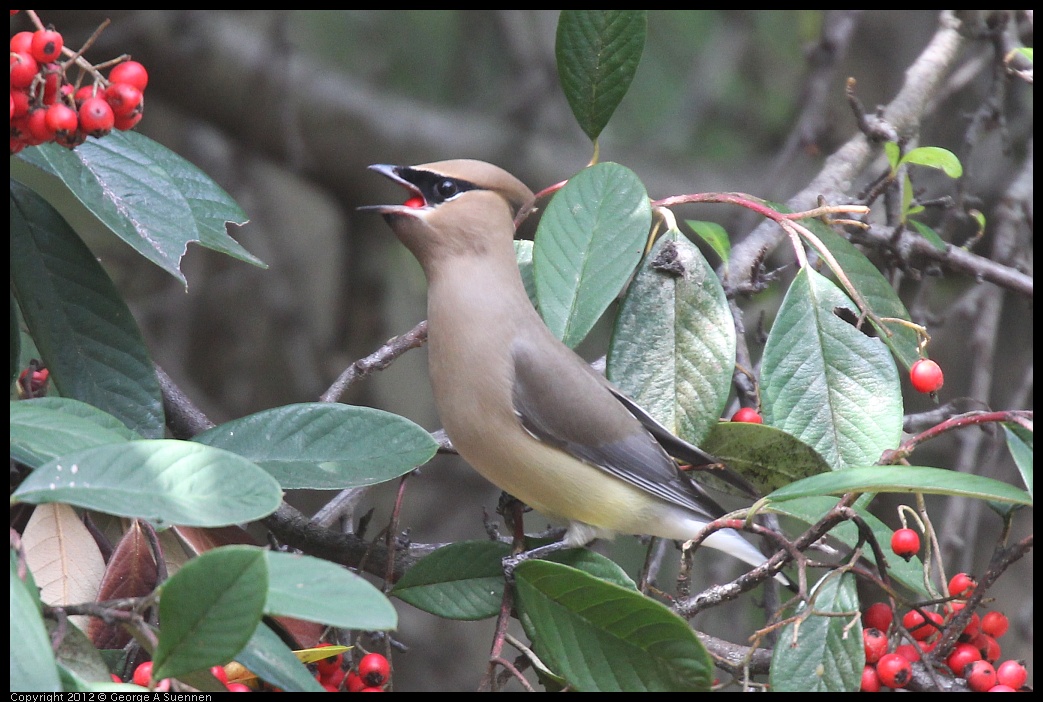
(446, 189)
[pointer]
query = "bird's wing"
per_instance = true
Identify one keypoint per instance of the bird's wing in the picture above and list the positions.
(681, 449)
(574, 409)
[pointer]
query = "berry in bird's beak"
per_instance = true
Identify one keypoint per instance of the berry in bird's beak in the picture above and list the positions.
(414, 202)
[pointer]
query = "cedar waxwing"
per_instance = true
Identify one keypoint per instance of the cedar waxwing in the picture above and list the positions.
(522, 408)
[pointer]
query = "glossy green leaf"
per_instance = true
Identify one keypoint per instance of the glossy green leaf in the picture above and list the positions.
(85, 333)
(827, 383)
(673, 347)
(459, 581)
(267, 657)
(523, 252)
(768, 457)
(209, 609)
(903, 479)
(602, 637)
(929, 234)
(875, 289)
(587, 245)
(45, 428)
(822, 653)
(316, 590)
(715, 236)
(598, 52)
(33, 667)
(150, 197)
(935, 157)
(893, 153)
(1019, 441)
(164, 481)
(325, 446)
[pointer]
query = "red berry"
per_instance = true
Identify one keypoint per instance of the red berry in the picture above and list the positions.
(62, 118)
(38, 129)
(963, 655)
(372, 689)
(414, 202)
(237, 687)
(894, 670)
(353, 683)
(218, 671)
(22, 42)
(870, 680)
(995, 624)
(123, 98)
(878, 616)
(19, 103)
(747, 414)
(142, 674)
(989, 647)
(981, 676)
(47, 45)
(1002, 688)
(926, 376)
(919, 627)
(905, 543)
(130, 72)
(96, 118)
(961, 585)
(128, 121)
(328, 666)
(875, 642)
(23, 69)
(1012, 673)
(374, 669)
(909, 652)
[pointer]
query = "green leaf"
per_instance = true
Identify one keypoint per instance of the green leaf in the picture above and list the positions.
(929, 234)
(45, 428)
(893, 154)
(903, 479)
(598, 52)
(164, 481)
(827, 383)
(209, 609)
(768, 457)
(602, 637)
(147, 195)
(523, 252)
(325, 446)
(459, 581)
(715, 236)
(875, 289)
(935, 157)
(586, 247)
(823, 653)
(85, 333)
(1019, 441)
(673, 347)
(315, 590)
(16, 337)
(33, 668)
(267, 657)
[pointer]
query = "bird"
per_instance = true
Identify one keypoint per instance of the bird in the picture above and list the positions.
(522, 408)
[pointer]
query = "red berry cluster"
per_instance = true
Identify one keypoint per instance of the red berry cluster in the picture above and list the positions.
(974, 657)
(372, 674)
(47, 105)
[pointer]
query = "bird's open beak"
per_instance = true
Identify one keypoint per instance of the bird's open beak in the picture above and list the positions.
(394, 173)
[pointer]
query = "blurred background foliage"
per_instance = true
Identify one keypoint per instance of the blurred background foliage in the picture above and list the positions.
(285, 109)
